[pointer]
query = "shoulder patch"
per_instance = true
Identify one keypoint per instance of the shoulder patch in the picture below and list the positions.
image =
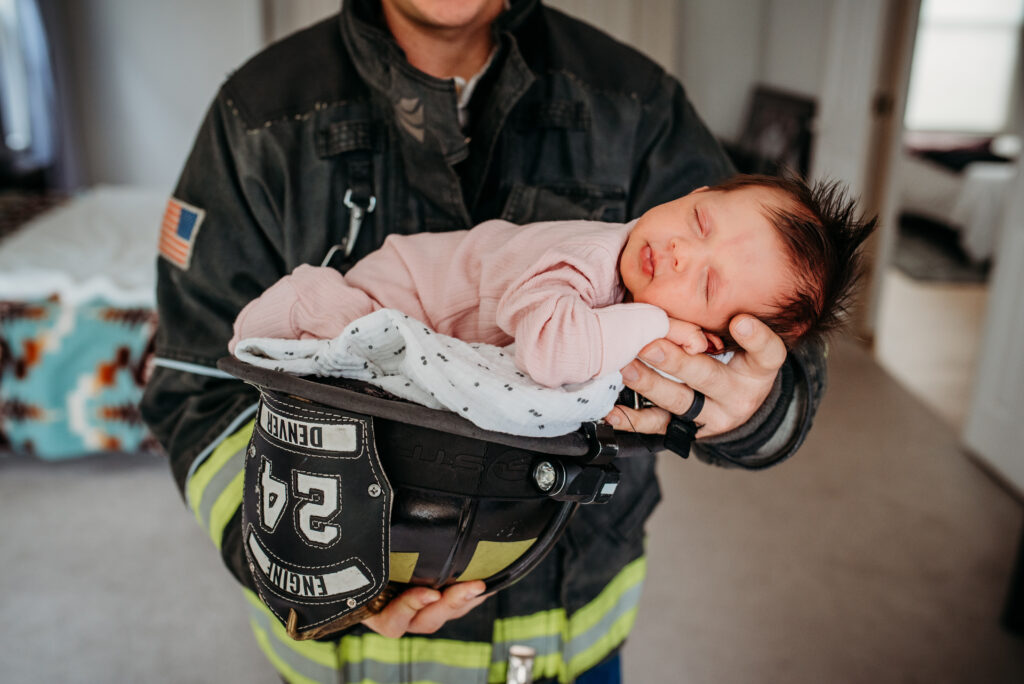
(179, 230)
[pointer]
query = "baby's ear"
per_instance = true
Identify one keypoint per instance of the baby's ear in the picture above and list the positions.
(715, 344)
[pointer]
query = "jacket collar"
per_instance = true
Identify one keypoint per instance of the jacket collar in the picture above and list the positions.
(424, 108)
(379, 59)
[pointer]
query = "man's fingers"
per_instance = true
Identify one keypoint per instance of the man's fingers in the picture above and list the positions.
(649, 421)
(732, 391)
(654, 420)
(421, 610)
(456, 601)
(765, 351)
(394, 620)
(698, 371)
(711, 378)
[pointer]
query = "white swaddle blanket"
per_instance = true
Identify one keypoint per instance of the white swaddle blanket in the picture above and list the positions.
(478, 381)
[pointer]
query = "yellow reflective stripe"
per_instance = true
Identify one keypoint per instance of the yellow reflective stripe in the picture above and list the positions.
(357, 653)
(582, 662)
(197, 483)
(227, 504)
(322, 653)
(590, 614)
(461, 654)
(553, 626)
(585, 639)
(285, 670)
(402, 681)
(524, 627)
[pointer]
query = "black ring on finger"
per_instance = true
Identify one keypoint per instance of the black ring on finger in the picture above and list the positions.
(682, 430)
(696, 406)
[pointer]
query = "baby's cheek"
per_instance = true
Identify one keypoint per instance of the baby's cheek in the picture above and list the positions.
(672, 302)
(645, 297)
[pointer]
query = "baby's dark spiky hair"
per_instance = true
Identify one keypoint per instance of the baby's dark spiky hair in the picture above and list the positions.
(823, 235)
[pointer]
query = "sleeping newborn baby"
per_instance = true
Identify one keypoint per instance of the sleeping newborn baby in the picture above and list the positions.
(580, 299)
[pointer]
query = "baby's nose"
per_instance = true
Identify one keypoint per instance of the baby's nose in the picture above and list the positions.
(689, 257)
(677, 253)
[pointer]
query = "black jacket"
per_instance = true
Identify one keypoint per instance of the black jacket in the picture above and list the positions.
(566, 123)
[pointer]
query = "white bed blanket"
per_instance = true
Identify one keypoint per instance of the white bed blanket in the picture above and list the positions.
(478, 381)
(102, 244)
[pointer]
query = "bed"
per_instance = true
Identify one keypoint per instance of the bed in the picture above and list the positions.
(77, 299)
(961, 185)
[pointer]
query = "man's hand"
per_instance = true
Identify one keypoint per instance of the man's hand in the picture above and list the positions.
(733, 391)
(422, 610)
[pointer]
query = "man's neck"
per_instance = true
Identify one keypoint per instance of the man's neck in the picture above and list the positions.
(442, 52)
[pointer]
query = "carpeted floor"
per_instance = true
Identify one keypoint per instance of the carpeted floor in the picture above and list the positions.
(106, 578)
(930, 251)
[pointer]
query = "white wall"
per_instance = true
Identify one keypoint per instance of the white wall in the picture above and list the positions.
(795, 41)
(720, 50)
(729, 46)
(144, 74)
(719, 59)
(647, 25)
(284, 17)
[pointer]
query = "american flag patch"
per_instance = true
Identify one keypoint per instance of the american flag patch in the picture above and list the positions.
(178, 234)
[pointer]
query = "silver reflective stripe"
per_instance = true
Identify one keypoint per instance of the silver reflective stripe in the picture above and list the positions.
(193, 368)
(377, 672)
(365, 670)
(549, 644)
(628, 600)
(219, 482)
(201, 458)
(288, 656)
(197, 369)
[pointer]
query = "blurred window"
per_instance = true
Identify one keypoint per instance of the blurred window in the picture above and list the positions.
(964, 69)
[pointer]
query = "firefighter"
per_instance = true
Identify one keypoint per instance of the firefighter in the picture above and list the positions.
(399, 116)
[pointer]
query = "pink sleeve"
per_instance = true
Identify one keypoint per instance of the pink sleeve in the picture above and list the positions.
(311, 302)
(561, 338)
(625, 330)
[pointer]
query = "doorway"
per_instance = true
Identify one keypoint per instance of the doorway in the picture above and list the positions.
(952, 169)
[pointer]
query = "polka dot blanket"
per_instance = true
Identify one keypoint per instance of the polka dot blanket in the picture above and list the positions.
(478, 381)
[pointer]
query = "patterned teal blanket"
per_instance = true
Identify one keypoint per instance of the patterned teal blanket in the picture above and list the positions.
(71, 377)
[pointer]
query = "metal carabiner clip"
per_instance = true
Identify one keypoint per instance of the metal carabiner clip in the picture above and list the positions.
(356, 214)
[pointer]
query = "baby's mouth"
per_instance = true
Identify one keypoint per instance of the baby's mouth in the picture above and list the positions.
(647, 260)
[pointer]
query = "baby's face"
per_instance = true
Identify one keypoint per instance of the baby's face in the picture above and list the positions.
(708, 256)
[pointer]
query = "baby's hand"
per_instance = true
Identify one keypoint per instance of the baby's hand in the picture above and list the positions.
(688, 336)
